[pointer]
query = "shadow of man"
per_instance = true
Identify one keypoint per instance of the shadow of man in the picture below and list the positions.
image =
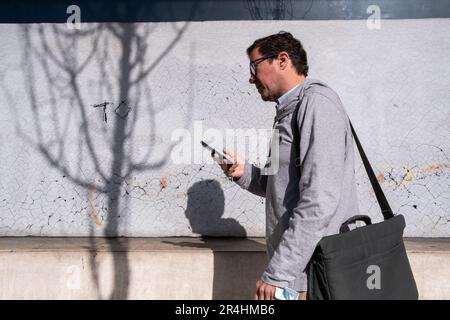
(238, 261)
(205, 208)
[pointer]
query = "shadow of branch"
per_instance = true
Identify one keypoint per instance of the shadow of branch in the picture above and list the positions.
(51, 55)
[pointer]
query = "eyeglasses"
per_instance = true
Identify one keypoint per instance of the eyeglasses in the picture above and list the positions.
(253, 64)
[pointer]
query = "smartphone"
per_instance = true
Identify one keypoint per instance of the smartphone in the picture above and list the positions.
(222, 158)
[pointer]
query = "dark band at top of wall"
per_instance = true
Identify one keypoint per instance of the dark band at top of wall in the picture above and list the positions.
(32, 11)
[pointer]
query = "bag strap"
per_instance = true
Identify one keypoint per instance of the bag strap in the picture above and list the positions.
(381, 198)
(382, 201)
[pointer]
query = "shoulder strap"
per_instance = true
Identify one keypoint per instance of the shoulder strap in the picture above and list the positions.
(381, 198)
(382, 201)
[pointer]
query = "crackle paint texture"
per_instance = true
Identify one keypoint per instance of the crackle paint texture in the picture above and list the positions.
(87, 118)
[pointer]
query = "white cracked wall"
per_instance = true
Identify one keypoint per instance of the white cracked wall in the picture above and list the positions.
(71, 169)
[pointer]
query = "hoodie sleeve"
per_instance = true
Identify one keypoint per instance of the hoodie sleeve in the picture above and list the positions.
(322, 130)
(252, 180)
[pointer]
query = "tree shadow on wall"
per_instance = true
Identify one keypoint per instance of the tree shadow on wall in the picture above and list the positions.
(238, 262)
(95, 152)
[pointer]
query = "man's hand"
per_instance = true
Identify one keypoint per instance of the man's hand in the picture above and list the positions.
(264, 291)
(237, 169)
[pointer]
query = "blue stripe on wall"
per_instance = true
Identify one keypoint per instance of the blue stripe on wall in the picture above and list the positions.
(27, 11)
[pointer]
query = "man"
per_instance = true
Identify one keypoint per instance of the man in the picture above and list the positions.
(314, 190)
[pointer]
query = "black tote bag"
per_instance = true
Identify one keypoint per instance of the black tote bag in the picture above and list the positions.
(365, 263)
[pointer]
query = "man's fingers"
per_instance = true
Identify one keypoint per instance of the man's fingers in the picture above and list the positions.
(267, 293)
(222, 164)
(229, 152)
(230, 170)
(258, 293)
(233, 156)
(264, 291)
(235, 163)
(227, 168)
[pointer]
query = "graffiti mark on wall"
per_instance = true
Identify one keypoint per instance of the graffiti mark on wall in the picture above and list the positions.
(103, 105)
(122, 110)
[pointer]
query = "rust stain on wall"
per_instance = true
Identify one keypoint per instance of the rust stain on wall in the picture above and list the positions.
(93, 214)
(436, 168)
(413, 174)
(408, 177)
(163, 183)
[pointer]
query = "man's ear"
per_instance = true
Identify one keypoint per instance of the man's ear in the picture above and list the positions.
(283, 58)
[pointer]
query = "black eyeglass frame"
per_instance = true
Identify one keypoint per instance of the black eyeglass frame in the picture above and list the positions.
(253, 64)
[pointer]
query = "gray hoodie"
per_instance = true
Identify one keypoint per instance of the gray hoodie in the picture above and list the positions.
(302, 206)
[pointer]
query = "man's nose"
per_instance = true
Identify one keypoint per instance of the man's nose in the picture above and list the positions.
(252, 79)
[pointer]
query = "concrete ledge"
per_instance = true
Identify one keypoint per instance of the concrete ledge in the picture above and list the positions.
(167, 268)
(430, 262)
